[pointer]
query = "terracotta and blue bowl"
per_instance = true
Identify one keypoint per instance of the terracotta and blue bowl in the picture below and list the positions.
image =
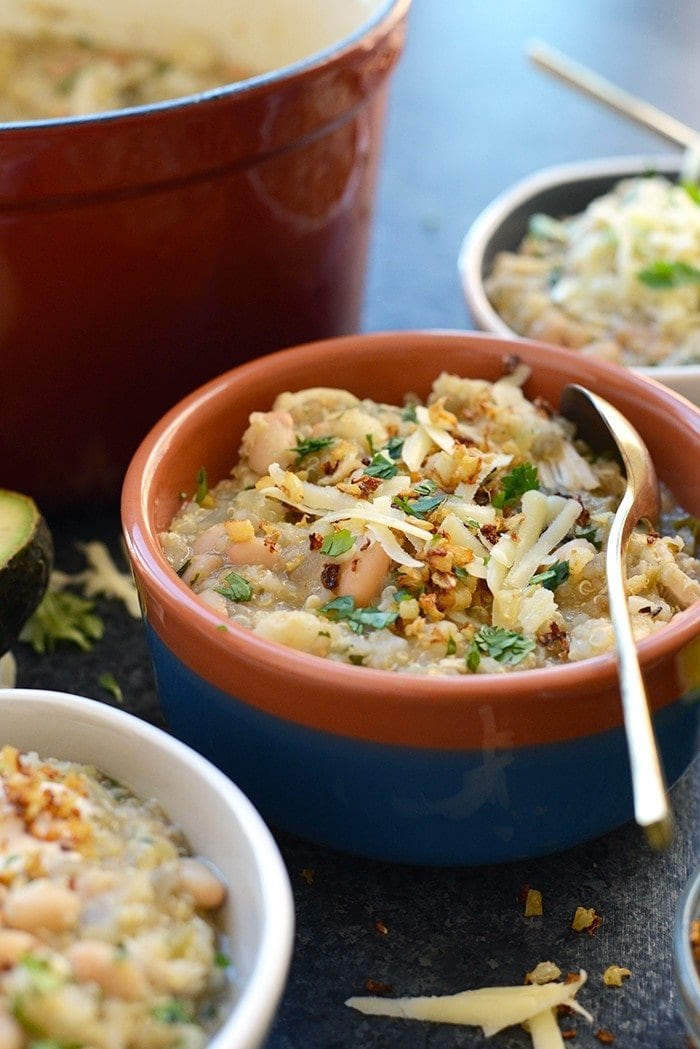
(416, 769)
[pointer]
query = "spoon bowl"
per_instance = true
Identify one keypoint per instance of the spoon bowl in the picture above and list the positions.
(606, 429)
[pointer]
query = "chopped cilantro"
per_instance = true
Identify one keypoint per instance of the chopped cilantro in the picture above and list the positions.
(544, 227)
(110, 684)
(183, 567)
(692, 524)
(202, 486)
(172, 1012)
(62, 616)
(221, 960)
(370, 443)
(420, 507)
(65, 85)
(343, 609)
(308, 446)
(338, 543)
(521, 479)
(237, 588)
(356, 659)
(409, 413)
(51, 1043)
(403, 595)
(506, 646)
(394, 447)
(663, 274)
(451, 646)
(591, 534)
(40, 974)
(553, 576)
(381, 467)
(693, 191)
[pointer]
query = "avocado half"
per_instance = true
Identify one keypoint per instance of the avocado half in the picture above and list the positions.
(26, 560)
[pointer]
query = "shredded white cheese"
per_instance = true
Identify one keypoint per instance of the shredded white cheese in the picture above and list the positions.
(101, 577)
(491, 1008)
(8, 671)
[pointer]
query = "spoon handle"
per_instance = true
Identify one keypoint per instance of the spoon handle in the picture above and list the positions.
(579, 76)
(651, 807)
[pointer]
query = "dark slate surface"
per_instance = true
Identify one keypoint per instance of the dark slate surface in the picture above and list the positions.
(468, 116)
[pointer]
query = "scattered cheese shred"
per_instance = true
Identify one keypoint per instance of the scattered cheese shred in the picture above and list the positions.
(491, 1008)
(101, 577)
(8, 671)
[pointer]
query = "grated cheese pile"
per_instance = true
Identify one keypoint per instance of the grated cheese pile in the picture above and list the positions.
(620, 280)
(463, 535)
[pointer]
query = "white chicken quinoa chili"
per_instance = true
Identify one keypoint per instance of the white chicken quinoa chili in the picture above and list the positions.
(45, 76)
(619, 281)
(108, 937)
(465, 535)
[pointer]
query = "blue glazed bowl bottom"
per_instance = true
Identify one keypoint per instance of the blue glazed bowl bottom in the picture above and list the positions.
(418, 806)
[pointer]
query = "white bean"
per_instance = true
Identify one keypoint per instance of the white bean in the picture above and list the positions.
(42, 905)
(269, 438)
(363, 575)
(13, 944)
(201, 883)
(11, 1036)
(252, 552)
(94, 961)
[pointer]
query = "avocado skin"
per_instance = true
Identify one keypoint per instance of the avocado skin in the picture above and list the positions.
(23, 582)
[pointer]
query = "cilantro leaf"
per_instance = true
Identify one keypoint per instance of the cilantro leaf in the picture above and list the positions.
(342, 609)
(506, 646)
(237, 588)
(381, 467)
(62, 616)
(395, 447)
(338, 543)
(521, 479)
(662, 274)
(553, 576)
(308, 446)
(591, 534)
(110, 684)
(202, 486)
(693, 191)
(172, 1012)
(420, 507)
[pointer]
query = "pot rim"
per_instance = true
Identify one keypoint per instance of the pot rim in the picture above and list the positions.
(389, 14)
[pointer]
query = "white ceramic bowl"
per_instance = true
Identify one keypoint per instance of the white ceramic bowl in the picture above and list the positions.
(563, 190)
(217, 818)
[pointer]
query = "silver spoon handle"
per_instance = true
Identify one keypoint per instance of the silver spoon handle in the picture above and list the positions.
(651, 807)
(616, 98)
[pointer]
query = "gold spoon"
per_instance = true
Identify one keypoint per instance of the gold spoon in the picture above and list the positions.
(604, 428)
(590, 83)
